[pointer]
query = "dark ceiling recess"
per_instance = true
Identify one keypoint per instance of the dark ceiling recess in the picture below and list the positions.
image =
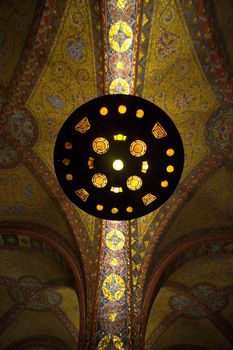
(118, 157)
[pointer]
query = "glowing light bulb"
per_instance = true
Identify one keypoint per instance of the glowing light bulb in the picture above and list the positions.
(118, 164)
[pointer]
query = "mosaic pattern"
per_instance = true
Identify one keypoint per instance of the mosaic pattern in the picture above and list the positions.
(120, 21)
(22, 127)
(29, 293)
(174, 81)
(68, 78)
(48, 343)
(113, 315)
(205, 294)
(205, 36)
(26, 242)
(42, 301)
(219, 128)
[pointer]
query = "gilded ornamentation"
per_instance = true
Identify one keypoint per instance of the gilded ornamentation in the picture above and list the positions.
(148, 198)
(119, 62)
(99, 180)
(176, 83)
(112, 317)
(120, 36)
(167, 47)
(121, 22)
(113, 287)
(112, 341)
(114, 262)
(115, 240)
(63, 85)
(134, 183)
(119, 86)
(158, 131)
(82, 194)
(138, 148)
(83, 125)
(100, 145)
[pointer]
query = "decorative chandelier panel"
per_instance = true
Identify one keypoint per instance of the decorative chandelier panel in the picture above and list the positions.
(118, 157)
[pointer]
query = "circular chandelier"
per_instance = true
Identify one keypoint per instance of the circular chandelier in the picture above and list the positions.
(118, 157)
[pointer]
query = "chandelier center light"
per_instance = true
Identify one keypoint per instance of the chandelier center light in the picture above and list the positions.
(118, 164)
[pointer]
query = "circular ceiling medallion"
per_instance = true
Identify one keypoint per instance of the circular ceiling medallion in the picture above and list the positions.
(118, 157)
(100, 145)
(134, 182)
(99, 180)
(138, 148)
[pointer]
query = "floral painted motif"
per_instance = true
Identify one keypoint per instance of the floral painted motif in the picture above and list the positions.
(22, 127)
(29, 289)
(17, 209)
(184, 99)
(167, 46)
(112, 318)
(55, 101)
(201, 295)
(219, 129)
(75, 49)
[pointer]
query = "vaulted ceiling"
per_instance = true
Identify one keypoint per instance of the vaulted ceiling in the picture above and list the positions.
(52, 60)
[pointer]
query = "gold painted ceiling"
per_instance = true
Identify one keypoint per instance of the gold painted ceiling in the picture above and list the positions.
(54, 56)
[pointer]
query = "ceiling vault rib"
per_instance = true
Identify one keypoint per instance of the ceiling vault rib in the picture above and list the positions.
(120, 25)
(169, 260)
(216, 318)
(43, 341)
(169, 212)
(71, 258)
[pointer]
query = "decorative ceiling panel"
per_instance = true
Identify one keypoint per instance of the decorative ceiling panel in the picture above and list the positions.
(31, 324)
(24, 199)
(198, 310)
(175, 81)
(199, 333)
(68, 78)
(210, 207)
(159, 310)
(36, 296)
(70, 305)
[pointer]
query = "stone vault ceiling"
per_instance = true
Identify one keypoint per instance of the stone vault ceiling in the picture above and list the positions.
(56, 55)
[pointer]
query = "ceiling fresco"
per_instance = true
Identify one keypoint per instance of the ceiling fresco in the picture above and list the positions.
(190, 295)
(67, 80)
(210, 207)
(68, 280)
(42, 293)
(21, 196)
(175, 81)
